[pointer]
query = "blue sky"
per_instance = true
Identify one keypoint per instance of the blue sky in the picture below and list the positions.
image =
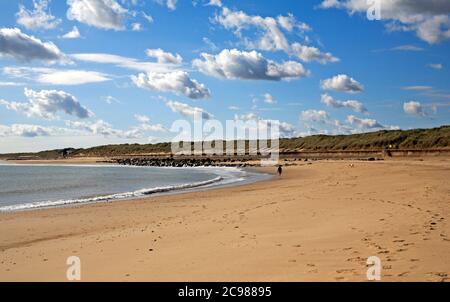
(81, 73)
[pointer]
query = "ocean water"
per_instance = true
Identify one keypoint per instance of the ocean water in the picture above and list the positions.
(24, 187)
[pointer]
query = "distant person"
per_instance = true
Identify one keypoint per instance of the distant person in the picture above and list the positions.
(280, 170)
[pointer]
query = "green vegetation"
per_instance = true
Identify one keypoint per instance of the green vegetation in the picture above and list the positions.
(417, 139)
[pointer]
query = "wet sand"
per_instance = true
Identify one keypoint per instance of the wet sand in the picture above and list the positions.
(319, 222)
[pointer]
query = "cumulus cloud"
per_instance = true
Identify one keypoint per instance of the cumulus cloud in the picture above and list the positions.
(351, 104)
(105, 129)
(146, 126)
(177, 82)
(17, 45)
(103, 14)
(24, 130)
(309, 53)
(272, 37)
(66, 77)
(428, 19)
(38, 18)
(413, 108)
(215, 3)
(364, 123)
(73, 34)
(343, 83)
(320, 122)
(189, 111)
(235, 64)
(142, 118)
(272, 34)
(314, 116)
(262, 126)
(163, 57)
(46, 103)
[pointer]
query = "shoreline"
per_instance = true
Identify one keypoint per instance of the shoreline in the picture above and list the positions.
(319, 222)
(225, 177)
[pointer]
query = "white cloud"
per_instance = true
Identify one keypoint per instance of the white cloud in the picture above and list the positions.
(351, 104)
(67, 77)
(163, 57)
(172, 4)
(314, 116)
(189, 111)
(123, 62)
(364, 123)
(436, 66)
(177, 82)
(110, 100)
(235, 64)
(429, 19)
(260, 127)
(407, 48)
(309, 53)
(46, 103)
(17, 45)
(146, 126)
(103, 14)
(136, 27)
(105, 129)
(413, 108)
(272, 36)
(149, 18)
(268, 99)
(10, 84)
(24, 130)
(246, 117)
(320, 122)
(73, 34)
(39, 18)
(417, 88)
(142, 118)
(343, 83)
(215, 3)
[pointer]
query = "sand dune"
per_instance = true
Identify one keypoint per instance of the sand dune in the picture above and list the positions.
(319, 222)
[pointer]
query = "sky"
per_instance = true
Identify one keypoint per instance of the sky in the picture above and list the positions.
(81, 73)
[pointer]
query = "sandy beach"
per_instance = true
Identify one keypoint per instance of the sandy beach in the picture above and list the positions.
(319, 222)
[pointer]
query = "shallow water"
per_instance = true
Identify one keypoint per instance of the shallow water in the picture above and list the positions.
(35, 186)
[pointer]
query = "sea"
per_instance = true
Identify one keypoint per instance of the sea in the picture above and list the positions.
(27, 187)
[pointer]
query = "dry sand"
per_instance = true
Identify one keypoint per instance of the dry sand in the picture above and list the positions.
(319, 222)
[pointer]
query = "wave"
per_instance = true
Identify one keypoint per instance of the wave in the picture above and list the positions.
(107, 198)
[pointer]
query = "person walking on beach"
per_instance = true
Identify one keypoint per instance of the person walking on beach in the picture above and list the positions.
(280, 170)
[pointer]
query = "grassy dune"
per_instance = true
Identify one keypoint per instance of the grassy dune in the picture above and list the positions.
(417, 139)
